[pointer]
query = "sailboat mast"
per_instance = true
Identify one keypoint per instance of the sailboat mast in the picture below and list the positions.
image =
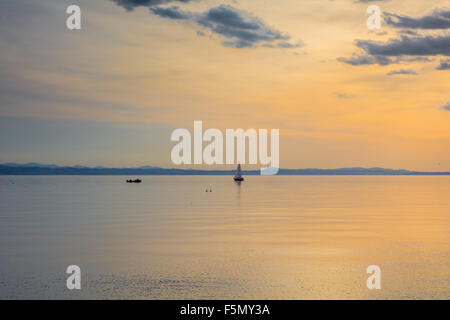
(238, 177)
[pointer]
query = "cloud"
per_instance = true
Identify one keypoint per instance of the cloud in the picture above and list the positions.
(239, 29)
(201, 33)
(438, 19)
(401, 49)
(171, 13)
(408, 32)
(444, 65)
(446, 107)
(343, 95)
(401, 71)
(413, 46)
(365, 59)
(129, 5)
(285, 45)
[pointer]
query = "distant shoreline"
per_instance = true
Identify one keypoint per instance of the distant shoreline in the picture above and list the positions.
(143, 171)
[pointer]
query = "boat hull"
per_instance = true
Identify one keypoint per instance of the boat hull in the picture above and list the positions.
(134, 181)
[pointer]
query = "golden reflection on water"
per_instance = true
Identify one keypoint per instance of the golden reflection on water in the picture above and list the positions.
(300, 237)
(314, 237)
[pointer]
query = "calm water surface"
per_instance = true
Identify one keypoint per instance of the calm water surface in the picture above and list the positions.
(279, 237)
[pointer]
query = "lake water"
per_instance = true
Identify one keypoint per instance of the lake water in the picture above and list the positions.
(273, 237)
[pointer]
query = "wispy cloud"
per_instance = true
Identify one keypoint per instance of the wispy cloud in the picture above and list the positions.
(408, 32)
(444, 65)
(446, 107)
(343, 95)
(131, 4)
(173, 12)
(401, 71)
(365, 59)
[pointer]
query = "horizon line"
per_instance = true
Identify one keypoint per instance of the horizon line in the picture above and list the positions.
(34, 165)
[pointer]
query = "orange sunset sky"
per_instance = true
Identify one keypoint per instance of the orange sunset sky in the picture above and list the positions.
(111, 93)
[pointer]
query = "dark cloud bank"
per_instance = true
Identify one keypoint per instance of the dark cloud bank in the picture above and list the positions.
(239, 29)
(398, 50)
(410, 46)
(438, 19)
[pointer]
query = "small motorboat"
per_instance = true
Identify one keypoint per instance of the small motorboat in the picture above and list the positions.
(134, 181)
(238, 176)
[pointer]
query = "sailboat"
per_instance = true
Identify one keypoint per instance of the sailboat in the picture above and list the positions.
(237, 176)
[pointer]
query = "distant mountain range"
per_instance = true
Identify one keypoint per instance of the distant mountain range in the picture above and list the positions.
(52, 169)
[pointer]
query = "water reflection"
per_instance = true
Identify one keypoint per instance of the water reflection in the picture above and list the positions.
(304, 237)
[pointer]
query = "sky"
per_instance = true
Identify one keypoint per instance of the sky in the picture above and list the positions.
(341, 95)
